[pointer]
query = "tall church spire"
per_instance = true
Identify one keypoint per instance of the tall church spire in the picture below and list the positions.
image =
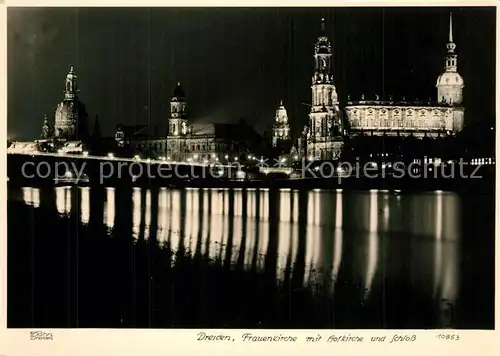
(450, 36)
(451, 57)
(450, 83)
(450, 45)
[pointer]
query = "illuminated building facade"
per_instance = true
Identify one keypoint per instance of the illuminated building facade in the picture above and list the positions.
(322, 137)
(281, 128)
(70, 116)
(205, 142)
(442, 117)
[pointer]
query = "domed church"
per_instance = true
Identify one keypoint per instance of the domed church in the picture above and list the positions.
(70, 122)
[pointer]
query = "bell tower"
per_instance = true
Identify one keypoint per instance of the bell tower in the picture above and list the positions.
(177, 123)
(450, 84)
(325, 125)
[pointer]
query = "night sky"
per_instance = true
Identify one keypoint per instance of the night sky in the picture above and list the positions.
(235, 63)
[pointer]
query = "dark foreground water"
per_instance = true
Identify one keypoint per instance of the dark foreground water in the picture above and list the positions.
(130, 257)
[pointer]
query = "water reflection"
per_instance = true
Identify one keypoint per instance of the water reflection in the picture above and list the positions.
(31, 196)
(85, 205)
(317, 236)
(63, 200)
(109, 208)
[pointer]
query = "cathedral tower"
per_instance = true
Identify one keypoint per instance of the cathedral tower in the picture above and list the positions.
(177, 123)
(70, 115)
(450, 84)
(281, 128)
(325, 125)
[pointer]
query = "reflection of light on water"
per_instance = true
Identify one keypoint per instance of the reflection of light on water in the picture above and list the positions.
(215, 225)
(337, 244)
(386, 212)
(147, 213)
(192, 222)
(162, 216)
(31, 196)
(109, 208)
(262, 238)
(63, 200)
(294, 227)
(175, 225)
(225, 224)
(313, 233)
(372, 243)
(136, 212)
(284, 245)
(438, 245)
(237, 225)
(206, 222)
(251, 227)
(85, 204)
(447, 244)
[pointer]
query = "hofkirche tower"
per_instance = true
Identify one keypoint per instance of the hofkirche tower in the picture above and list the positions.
(324, 131)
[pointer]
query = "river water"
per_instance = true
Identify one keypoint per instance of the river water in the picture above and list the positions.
(132, 257)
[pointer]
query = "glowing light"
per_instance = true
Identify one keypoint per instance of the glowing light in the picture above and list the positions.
(195, 156)
(235, 158)
(226, 156)
(137, 157)
(295, 157)
(85, 153)
(85, 204)
(110, 155)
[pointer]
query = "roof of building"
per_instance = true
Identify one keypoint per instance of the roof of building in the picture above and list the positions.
(131, 130)
(217, 130)
(450, 78)
(178, 92)
(412, 103)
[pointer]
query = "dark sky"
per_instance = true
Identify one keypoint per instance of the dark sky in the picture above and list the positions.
(235, 62)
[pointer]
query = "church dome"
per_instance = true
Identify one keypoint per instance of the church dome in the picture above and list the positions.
(450, 78)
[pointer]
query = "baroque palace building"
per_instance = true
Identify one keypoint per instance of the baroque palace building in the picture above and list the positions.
(442, 117)
(196, 142)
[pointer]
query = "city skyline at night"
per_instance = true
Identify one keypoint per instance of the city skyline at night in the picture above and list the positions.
(229, 67)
